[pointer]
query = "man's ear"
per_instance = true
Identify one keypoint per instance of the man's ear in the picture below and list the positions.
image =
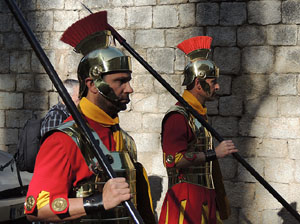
(198, 84)
(89, 82)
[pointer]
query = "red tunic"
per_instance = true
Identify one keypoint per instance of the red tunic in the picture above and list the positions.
(176, 136)
(60, 165)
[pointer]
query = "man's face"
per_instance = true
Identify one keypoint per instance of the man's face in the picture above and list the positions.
(214, 86)
(119, 82)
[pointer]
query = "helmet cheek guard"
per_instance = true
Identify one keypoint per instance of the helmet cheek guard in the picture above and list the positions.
(102, 62)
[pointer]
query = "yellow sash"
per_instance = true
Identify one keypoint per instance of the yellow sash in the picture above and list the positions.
(95, 113)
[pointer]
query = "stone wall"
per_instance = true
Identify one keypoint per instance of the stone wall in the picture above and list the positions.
(256, 46)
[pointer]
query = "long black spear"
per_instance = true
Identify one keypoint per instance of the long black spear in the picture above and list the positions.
(257, 176)
(97, 151)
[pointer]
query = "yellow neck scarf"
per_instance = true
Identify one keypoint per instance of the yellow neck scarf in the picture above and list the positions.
(188, 97)
(93, 112)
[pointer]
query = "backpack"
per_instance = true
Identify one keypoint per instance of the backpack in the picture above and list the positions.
(29, 144)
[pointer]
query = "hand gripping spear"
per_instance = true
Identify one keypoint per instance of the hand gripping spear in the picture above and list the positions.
(98, 153)
(257, 176)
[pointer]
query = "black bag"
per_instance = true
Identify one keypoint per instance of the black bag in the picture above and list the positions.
(29, 144)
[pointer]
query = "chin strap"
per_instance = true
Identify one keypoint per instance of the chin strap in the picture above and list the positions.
(93, 203)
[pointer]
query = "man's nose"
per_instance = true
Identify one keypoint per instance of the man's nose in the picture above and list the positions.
(128, 88)
(217, 87)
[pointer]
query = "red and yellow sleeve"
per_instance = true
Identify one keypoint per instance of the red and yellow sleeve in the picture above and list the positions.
(52, 176)
(176, 135)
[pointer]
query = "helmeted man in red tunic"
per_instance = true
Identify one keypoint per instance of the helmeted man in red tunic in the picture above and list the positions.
(68, 182)
(196, 193)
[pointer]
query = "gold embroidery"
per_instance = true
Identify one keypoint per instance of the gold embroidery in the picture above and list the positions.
(59, 204)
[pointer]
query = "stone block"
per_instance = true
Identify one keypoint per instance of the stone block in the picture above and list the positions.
(207, 14)
(118, 3)
(222, 36)
(185, 12)
(233, 13)
(129, 35)
(264, 12)
(243, 175)
(240, 194)
(289, 106)
(290, 12)
(297, 171)
(161, 59)
(92, 4)
(72, 61)
(42, 37)
(41, 21)
(273, 148)
(227, 59)
(131, 121)
(283, 84)
(56, 43)
(7, 82)
(43, 83)
(229, 167)
(63, 19)
(225, 85)
(250, 86)
(146, 142)
(20, 61)
(212, 107)
(116, 18)
(226, 126)
(11, 100)
(12, 41)
(257, 59)
(286, 59)
(1, 41)
(265, 200)
(152, 122)
(176, 36)
(294, 148)
(166, 2)
(4, 58)
(8, 136)
(36, 65)
(53, 99)
(262, 107)
(142, 83)
(145, 2)
(283, 128)
(25, 82)
(144, 102)
(174, 80)
(271, 216)
(247, 146)
(231, 106)
(150, 38)
(165, 100)
(2, 118)
(5, 22)
(49, 5)
(293, 196)
(17, 118)
(71, 5)
(165, 17)
(251, 35)
(249, 215)
(253, 127)
(180, 60)
(282, 35)
(38, 101)
(136, 15)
